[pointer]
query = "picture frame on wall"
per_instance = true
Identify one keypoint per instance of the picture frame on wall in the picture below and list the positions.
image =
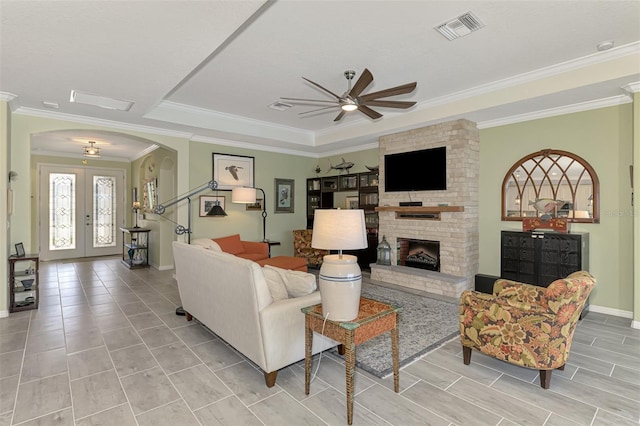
(284, 195)
(257, 206)
(20, 250)
(231, 171)
(208, 201)
(351, 202)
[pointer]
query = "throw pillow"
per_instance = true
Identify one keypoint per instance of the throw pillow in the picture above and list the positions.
(297, 283)
(276, 284)
(206, 243)
(230, 244)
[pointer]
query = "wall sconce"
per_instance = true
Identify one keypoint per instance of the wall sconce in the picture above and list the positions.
(518, 200)
(590, 201)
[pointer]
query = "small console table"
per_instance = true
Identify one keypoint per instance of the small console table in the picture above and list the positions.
(374, 318)
(135, 247)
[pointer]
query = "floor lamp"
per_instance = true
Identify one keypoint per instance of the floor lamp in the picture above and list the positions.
(340, 276)
(247, 195)
(216, 210)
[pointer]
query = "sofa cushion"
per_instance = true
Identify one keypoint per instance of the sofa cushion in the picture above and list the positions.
(230, 244)
(207, 243)
(251, 256)
(297, 283)
(275, 283)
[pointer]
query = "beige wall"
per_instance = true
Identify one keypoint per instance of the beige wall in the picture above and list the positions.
(603, 137)
(248, 224)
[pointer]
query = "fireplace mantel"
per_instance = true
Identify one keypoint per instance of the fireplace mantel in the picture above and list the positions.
(420, 209)
(417, 212)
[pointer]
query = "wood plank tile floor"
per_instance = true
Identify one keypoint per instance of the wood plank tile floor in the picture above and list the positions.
(105, 347)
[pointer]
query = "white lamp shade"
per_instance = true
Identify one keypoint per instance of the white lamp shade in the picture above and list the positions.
(337, 229)
(243, 195)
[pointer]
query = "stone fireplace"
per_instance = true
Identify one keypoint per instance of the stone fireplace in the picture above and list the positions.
(448, 217)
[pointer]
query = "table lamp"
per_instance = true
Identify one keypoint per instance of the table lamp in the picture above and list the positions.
(340, 276)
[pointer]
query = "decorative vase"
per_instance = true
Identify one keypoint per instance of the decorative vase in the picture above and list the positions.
(340, 282)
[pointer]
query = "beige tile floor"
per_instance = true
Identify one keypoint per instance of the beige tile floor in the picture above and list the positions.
(106, 348)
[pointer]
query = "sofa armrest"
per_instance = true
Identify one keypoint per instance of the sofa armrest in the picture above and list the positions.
(283, 331)
(256, 247)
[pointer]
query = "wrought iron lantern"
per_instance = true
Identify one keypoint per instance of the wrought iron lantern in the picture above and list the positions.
(384, 252)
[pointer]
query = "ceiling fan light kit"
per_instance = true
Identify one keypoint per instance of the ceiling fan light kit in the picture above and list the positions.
(351, 100)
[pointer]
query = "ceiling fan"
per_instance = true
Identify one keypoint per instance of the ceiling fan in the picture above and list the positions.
(352, 99)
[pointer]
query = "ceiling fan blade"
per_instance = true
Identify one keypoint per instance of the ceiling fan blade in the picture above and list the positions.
(339, 117)
(398, 90)
(320, 87)
(310, 100)
(368, 111)
(316, 110)
(365, 79)
(390, 104)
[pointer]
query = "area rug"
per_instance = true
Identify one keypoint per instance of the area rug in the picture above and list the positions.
(424, 324)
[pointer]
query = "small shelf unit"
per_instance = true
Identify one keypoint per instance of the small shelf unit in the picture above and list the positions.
(23, 297)
(135, 247)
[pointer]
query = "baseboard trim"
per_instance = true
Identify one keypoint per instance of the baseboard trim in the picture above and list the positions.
(4, 314)
(611, 311)
(164, 267)
(635, 324)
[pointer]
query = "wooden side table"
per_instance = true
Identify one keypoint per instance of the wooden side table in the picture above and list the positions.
(374, 318)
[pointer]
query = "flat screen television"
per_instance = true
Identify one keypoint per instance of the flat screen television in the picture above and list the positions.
(424, 170)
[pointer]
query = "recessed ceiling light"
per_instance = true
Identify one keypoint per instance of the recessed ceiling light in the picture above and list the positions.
(605, 45)
(100, 101)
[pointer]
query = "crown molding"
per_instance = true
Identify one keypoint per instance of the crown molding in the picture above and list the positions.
(632, 87)
(222, 122)
(144, 152)
(7, 97)
(552, 112)
(32, 112)
(247, 145)
(532, 76)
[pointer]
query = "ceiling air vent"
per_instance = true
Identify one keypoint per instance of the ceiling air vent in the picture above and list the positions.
(280, 106)
(459, 27)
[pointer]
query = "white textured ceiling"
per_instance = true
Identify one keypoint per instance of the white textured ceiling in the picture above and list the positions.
(210, 69)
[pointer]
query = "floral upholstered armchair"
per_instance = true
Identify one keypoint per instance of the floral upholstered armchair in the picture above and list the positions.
(302, 247)
(523, 324)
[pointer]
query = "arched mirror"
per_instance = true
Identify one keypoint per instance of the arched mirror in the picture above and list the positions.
(552, 183)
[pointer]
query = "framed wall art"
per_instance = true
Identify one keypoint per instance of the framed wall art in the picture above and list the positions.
(257, 206)
(208, 201)
(351, 202)
(284, 195)
(20, 250)
(233, 170)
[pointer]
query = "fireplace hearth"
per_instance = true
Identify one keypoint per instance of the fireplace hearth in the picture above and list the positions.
(421, 254)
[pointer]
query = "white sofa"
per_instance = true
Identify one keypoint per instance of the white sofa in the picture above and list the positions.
(231, 297)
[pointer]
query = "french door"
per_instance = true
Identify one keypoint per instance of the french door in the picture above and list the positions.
(81, 211)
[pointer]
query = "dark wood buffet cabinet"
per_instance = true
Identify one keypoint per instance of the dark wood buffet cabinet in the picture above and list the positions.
(540, 258)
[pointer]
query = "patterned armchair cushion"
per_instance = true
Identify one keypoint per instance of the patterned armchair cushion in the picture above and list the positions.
(302, 247)
(524, 324)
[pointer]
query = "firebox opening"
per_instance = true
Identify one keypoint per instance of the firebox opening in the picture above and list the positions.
(422, 254)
